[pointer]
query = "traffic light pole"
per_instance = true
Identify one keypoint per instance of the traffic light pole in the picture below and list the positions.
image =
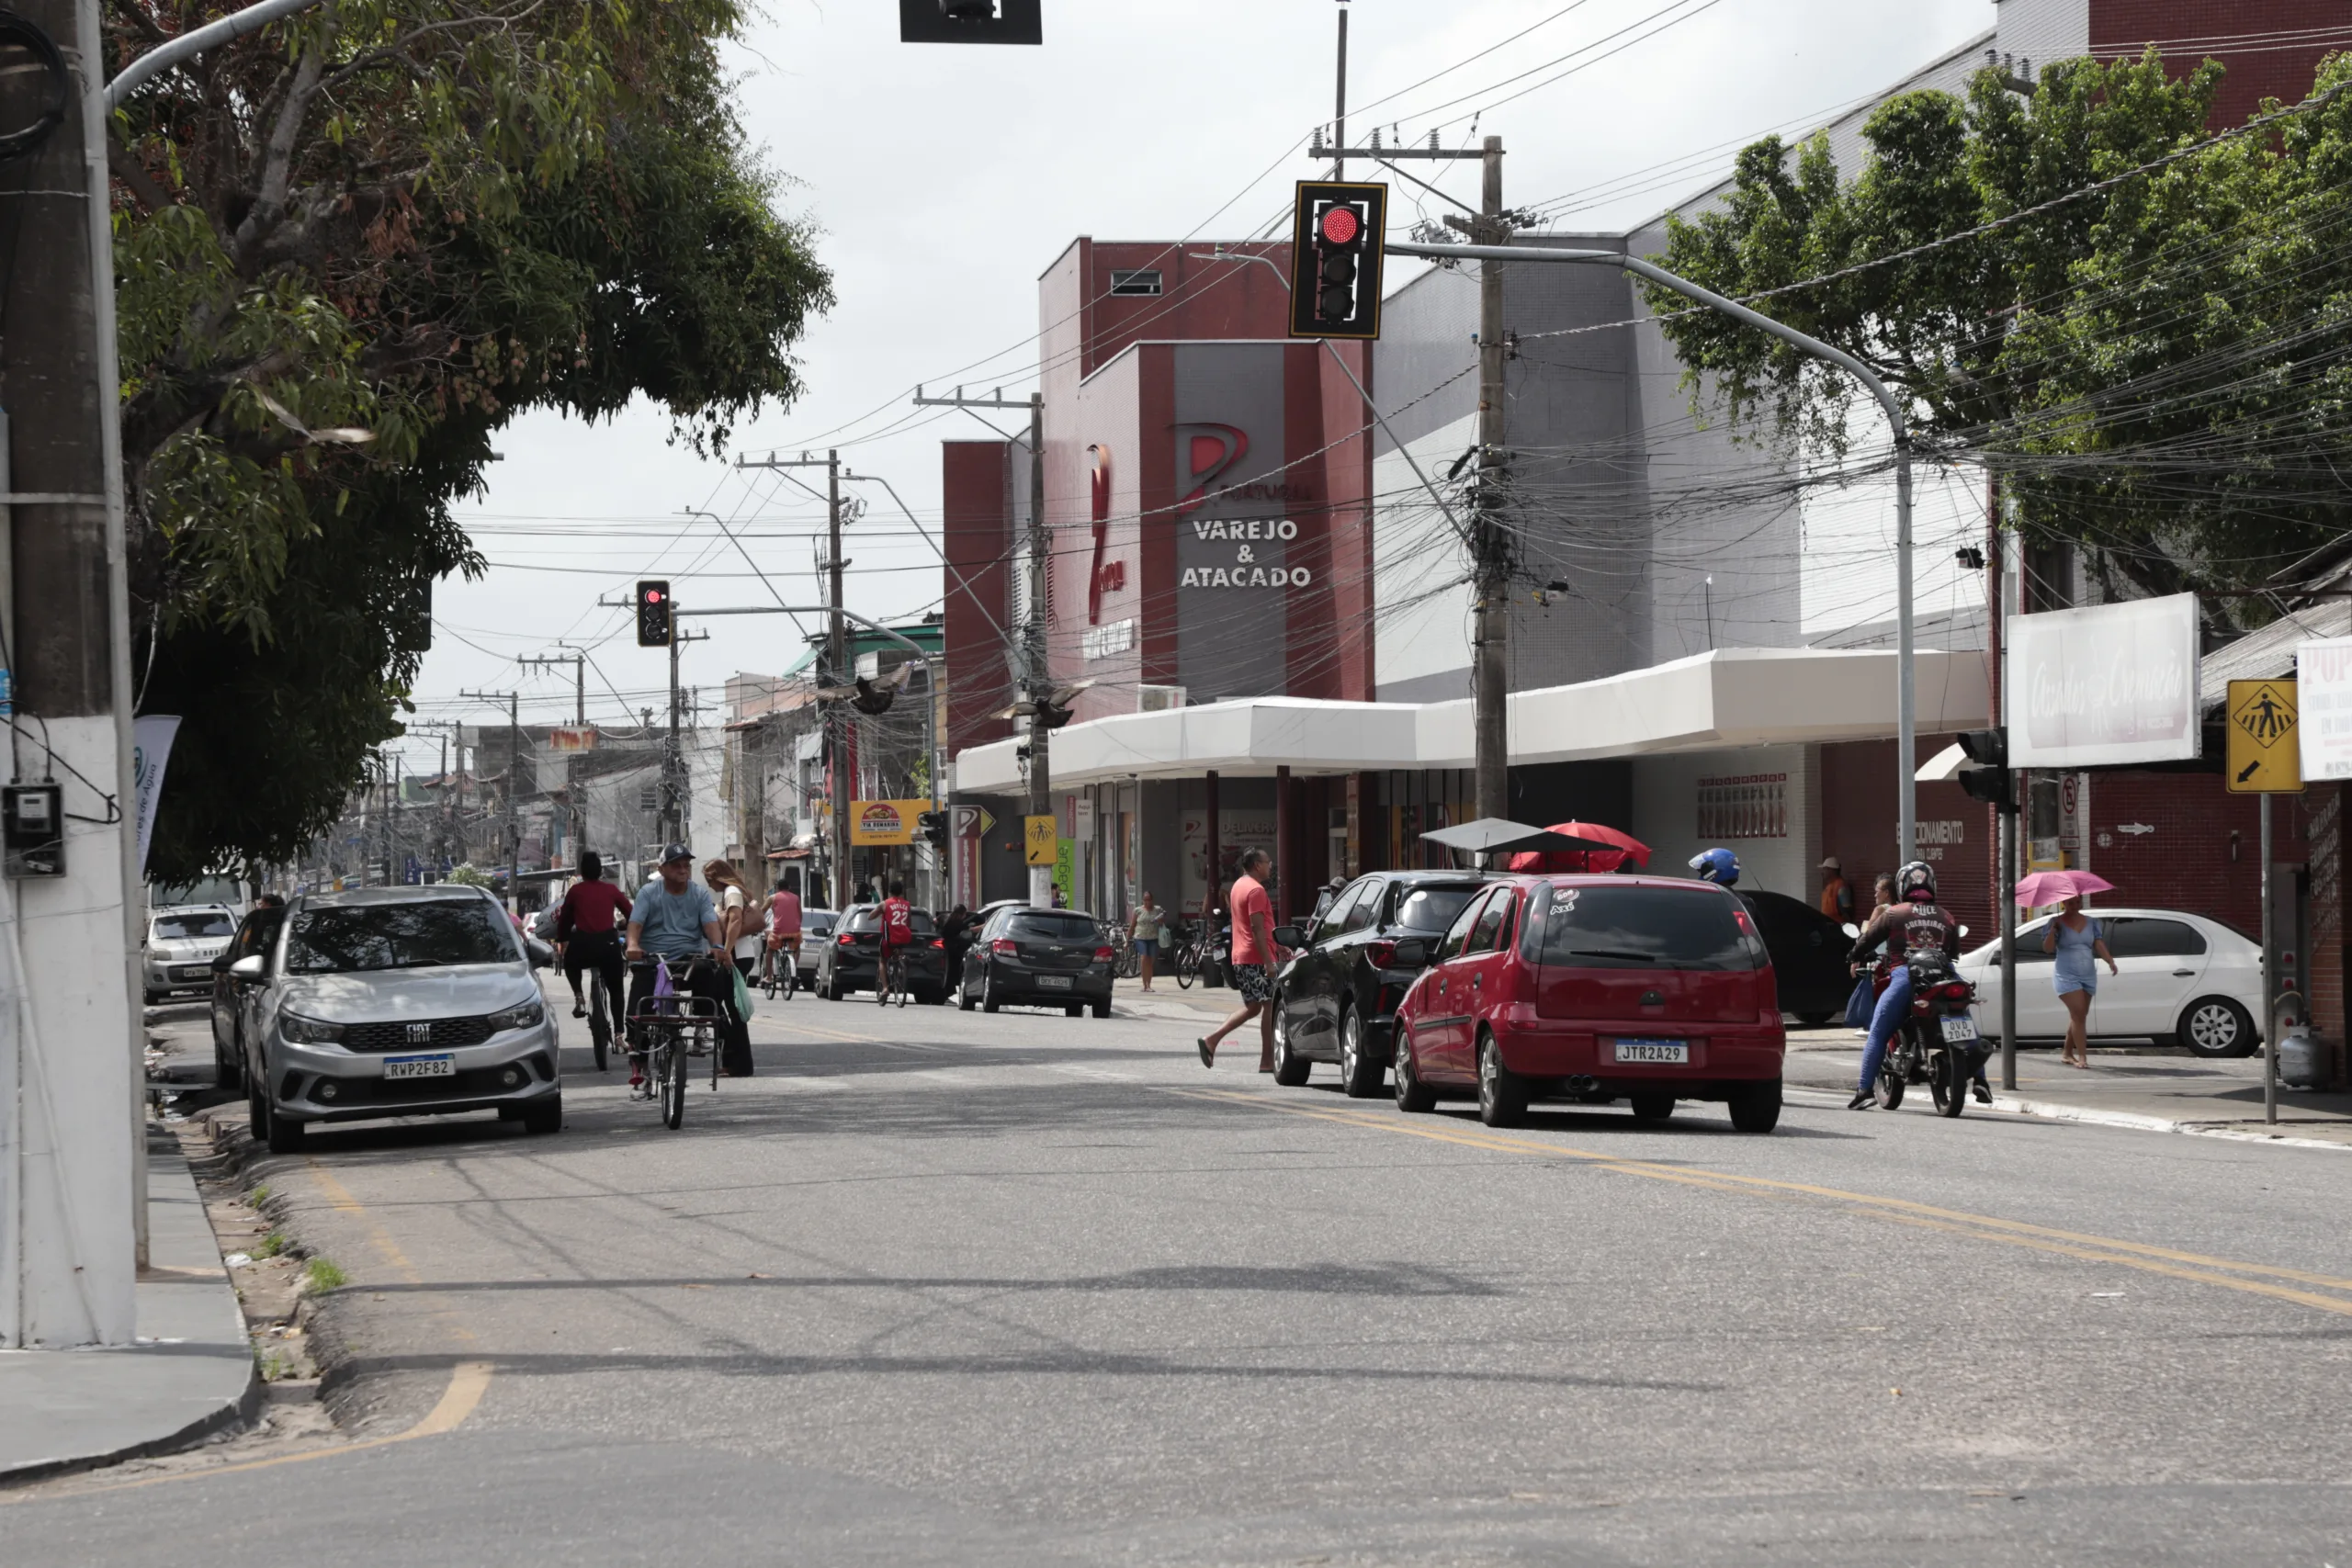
(2007, 817)
(1906, 724)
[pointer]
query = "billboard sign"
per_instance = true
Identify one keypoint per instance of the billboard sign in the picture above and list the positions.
(879, 822)
(2324, 682)
(2113, 684)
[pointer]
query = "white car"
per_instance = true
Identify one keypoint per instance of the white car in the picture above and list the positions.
(181, 944)
(2181, 979)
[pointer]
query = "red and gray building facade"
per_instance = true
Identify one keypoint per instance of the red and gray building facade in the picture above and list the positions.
(1270, 611)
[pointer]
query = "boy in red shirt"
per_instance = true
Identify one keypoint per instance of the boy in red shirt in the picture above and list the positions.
(1255, 957)
(897, 935)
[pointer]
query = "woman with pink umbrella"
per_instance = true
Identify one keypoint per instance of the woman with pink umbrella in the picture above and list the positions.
(2079, 942)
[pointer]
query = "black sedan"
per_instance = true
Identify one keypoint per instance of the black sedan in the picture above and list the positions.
(1335, 1001)
(1030, 957)
(847, 962)
(1808, 952)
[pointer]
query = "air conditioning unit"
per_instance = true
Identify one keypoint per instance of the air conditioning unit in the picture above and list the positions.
(1158, 699)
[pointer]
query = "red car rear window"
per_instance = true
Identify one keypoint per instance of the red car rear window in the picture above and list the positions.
(1638, 928)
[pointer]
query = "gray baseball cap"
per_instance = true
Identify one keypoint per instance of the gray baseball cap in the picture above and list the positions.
(676, 852)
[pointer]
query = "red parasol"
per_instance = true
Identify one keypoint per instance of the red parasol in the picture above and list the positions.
(1628, 848)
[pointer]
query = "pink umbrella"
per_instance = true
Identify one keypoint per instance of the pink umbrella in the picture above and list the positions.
(2057, 886)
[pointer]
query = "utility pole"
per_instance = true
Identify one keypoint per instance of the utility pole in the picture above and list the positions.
(1040, 692)
(1490, 648)
(578, 663)
(514, 701)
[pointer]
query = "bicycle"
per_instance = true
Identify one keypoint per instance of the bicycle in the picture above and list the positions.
(600, 1019)
(777, 973)
(890, 977)
(1125, 962)
(1192, 953)
(667, 1032)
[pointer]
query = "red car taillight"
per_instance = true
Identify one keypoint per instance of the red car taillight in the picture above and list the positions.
(849, 939)
(1380, 955)
(1103, 955)
(1005, 946)
(935, 941)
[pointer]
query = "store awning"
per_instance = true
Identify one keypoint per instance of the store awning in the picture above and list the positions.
(1722, 700)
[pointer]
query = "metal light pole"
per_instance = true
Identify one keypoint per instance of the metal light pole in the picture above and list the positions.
(1906, 718)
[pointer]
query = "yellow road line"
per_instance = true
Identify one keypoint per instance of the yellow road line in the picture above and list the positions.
(468, 1380)
(2165, 1260)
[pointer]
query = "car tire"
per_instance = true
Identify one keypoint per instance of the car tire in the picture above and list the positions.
(1360, 1070)
(2216, 1026)
(284, 1137)
(1651, 1107)
(543, 1118)
(1814, 1019)
(1074, 1009)
(1291, 1070)
(1502, 1094)
(227, 1073)
(965, 1000)
(155, 998)
(1756, 1107)
(988, 991)
(1413, 1096)
(1102, 1007)
(932, 996)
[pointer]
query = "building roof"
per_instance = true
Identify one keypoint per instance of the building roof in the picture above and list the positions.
(2270, 653)
(1730, 698)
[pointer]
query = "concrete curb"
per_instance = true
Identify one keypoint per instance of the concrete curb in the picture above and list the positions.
(191, 1376)
(2058, 1110)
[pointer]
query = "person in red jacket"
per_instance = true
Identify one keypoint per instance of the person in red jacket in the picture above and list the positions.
(588, 924)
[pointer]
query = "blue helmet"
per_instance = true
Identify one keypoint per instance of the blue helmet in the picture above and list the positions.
(1718, 866)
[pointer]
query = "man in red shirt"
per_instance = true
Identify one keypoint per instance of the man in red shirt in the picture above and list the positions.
(588, 925)
(1255, 957)
(897, 924)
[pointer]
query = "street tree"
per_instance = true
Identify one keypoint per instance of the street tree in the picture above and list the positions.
(351, 249)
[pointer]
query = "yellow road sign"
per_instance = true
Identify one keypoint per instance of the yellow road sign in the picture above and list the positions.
(2265, 754)
(1043, 840)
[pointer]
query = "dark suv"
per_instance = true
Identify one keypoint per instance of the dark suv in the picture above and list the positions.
(1336, 1001)
(1033, 957)
(848, 960)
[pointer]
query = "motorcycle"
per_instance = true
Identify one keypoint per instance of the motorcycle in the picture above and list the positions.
(1939, 1043)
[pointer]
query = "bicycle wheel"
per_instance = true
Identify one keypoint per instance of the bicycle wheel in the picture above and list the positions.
(670, 1062)
(600, 1032)
(1187, 965)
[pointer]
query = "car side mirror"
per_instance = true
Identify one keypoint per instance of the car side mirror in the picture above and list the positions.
(542, 956)
(1289, 936)
(248, 969)
(1412, 952)
(1851, 929)
(1964, 930)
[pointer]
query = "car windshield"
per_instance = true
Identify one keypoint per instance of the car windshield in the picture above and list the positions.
(1047, 925)
(1643, 928)
(195, 926)
(345, 938)
(1432, 909)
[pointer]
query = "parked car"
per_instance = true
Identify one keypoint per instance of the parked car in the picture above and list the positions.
(180, 946)
(396, 1001)
(1808, 952)
(816, 935)
(848, 959)
(1647, 989)
(2181, 979)
(1335, 1001)
(255, 934)
(1030, 957)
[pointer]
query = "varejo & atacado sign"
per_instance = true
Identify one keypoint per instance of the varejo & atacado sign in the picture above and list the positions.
(1247, 571)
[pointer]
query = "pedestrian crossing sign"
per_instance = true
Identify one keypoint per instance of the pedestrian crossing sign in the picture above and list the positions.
(1042, 839)
(2265, 753)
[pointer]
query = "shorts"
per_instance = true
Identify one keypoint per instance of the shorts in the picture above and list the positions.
(1249, 979)
(1147, 947)
(2089, 986)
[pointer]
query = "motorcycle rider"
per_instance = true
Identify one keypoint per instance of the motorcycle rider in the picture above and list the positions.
(1914, 926)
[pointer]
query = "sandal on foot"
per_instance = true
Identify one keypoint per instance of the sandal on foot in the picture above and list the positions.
(1208, 1052)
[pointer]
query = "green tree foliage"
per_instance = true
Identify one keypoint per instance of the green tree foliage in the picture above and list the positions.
(2155, 367)
(350, 249)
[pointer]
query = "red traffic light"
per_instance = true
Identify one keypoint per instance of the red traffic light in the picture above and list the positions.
(654, 595)
(1340, 225)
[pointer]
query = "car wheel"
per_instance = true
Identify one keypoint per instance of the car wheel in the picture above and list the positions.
(283, 1136)
(226, 1072)
(1502, 1094)
(1102, 1007)
(1814, 1019)
(2216, 1026)
(1291, 1070)
(155, 997)
(1651, 1107)
(1074, 1009)
(965, 1000)
(544, 1118)
(1756, 1107)
(987, 990)
(932, 995)
(1360, 1070)
(1412, 1094)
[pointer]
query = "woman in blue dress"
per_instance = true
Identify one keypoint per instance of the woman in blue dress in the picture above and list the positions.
(2080, 943)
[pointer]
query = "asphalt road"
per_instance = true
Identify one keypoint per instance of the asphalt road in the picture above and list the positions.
(938, 1288)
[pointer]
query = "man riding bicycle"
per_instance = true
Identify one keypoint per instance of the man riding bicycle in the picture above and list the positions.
(674, 917)
(588, 927)
(784, 932)
(898, 937)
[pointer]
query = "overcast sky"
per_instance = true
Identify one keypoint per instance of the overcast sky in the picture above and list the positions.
(941, 181)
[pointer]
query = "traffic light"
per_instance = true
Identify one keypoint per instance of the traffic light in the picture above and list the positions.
(1990, 781)
(1338, 236)
(653, 624)
(932, 825)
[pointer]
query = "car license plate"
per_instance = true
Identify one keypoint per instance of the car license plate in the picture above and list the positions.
(1958, 1029)
(420, 1067)
(1654, 1051)
(1054, 982)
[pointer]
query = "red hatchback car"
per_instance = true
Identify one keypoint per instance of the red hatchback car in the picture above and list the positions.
(1650, 989)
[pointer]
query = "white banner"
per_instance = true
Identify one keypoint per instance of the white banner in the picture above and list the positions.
(2112, 684)
(2323, 706)
(151, 747)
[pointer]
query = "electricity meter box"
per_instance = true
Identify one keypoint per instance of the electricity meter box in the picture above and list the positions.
(32, 830)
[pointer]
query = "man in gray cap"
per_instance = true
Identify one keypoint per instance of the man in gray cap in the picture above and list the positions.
(674, 917)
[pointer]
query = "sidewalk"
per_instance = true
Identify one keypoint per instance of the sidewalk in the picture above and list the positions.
(2157, 1091)
(190, 1374)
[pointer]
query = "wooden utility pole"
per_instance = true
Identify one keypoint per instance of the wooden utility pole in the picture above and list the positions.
(1490, 646)
(1040, 679)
